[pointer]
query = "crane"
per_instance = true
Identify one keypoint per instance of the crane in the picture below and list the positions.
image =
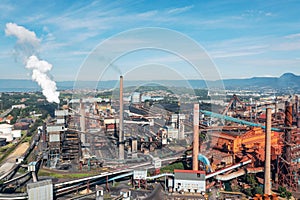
(232, 103)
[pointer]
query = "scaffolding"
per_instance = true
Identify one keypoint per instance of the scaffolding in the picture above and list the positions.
(288, 166)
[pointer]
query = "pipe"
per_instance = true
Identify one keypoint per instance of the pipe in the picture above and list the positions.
(196, 137)
(267, 179)
(227, 169)
(121, 126)
(34, 177)
(219, 116)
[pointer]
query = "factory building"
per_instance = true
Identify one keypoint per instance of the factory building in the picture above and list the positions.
(235, 142)
(189, 181)
(136, 98)
(21, 126)
(171, 132)
(6, 132)
(16, 133)
(42, 190)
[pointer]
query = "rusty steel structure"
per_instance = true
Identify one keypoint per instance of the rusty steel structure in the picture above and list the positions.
(287, 167)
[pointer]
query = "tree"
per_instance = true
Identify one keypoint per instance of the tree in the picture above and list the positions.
(257, 190)
(284, 193)
(248, 192)
(250, 179)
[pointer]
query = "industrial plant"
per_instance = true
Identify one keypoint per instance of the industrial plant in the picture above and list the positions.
(188, 150)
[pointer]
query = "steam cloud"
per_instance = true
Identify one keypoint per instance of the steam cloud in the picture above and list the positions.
(28, 43)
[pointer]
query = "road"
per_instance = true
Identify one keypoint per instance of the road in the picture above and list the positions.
(10, 161)
(6, 112)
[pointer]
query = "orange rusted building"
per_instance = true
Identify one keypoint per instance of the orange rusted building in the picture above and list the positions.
(238, 142)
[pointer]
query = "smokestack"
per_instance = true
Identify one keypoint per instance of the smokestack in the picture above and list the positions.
(196, 137)
(82, 121)
(296, 106)
(288, 123)
(297, 111)
(276, 107)
(267, 179)
(121, 127)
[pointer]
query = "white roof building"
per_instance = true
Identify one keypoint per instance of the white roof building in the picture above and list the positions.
(6, 128)
(16, 133)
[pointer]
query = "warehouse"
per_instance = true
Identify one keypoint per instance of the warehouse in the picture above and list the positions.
(189, 181)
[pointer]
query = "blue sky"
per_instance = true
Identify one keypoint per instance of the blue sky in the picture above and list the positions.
(243, 38)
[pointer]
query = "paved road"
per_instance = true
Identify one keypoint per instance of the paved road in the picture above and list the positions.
(6, 112)
(10, 161)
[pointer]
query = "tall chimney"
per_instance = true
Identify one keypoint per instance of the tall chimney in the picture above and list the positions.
(196, 137)
(276, 107)
(267, 179)
(296, 105)
(82, 121)
(288, 123)
(121, 127)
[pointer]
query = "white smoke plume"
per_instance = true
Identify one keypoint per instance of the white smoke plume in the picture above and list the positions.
(28, 43)
(39, 74)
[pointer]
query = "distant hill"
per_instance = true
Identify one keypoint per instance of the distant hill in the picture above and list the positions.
(286, 81)
(17, 85)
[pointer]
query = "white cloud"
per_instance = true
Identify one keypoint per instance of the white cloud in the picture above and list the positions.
(223, 54)
(6, 8)
(238, 47)
(293, 36)
(147, 14)
(180, 10)
(286, 46)
(23, 35)
(257, 13)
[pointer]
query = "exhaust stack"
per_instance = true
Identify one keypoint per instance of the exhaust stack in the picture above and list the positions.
(196, 137)
(82, 121)
(267, 179)
(121, 126)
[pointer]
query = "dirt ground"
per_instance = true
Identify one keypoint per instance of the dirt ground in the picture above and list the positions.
(20, 150)
(10, 161)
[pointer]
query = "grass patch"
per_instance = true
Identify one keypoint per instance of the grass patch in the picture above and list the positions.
(27, 139)
(4, 148)
(43, 172)
(8, 151)
(170, 168)
(22, 170)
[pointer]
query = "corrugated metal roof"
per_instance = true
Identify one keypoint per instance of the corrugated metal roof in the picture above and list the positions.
(188, 171)
(189, 175)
